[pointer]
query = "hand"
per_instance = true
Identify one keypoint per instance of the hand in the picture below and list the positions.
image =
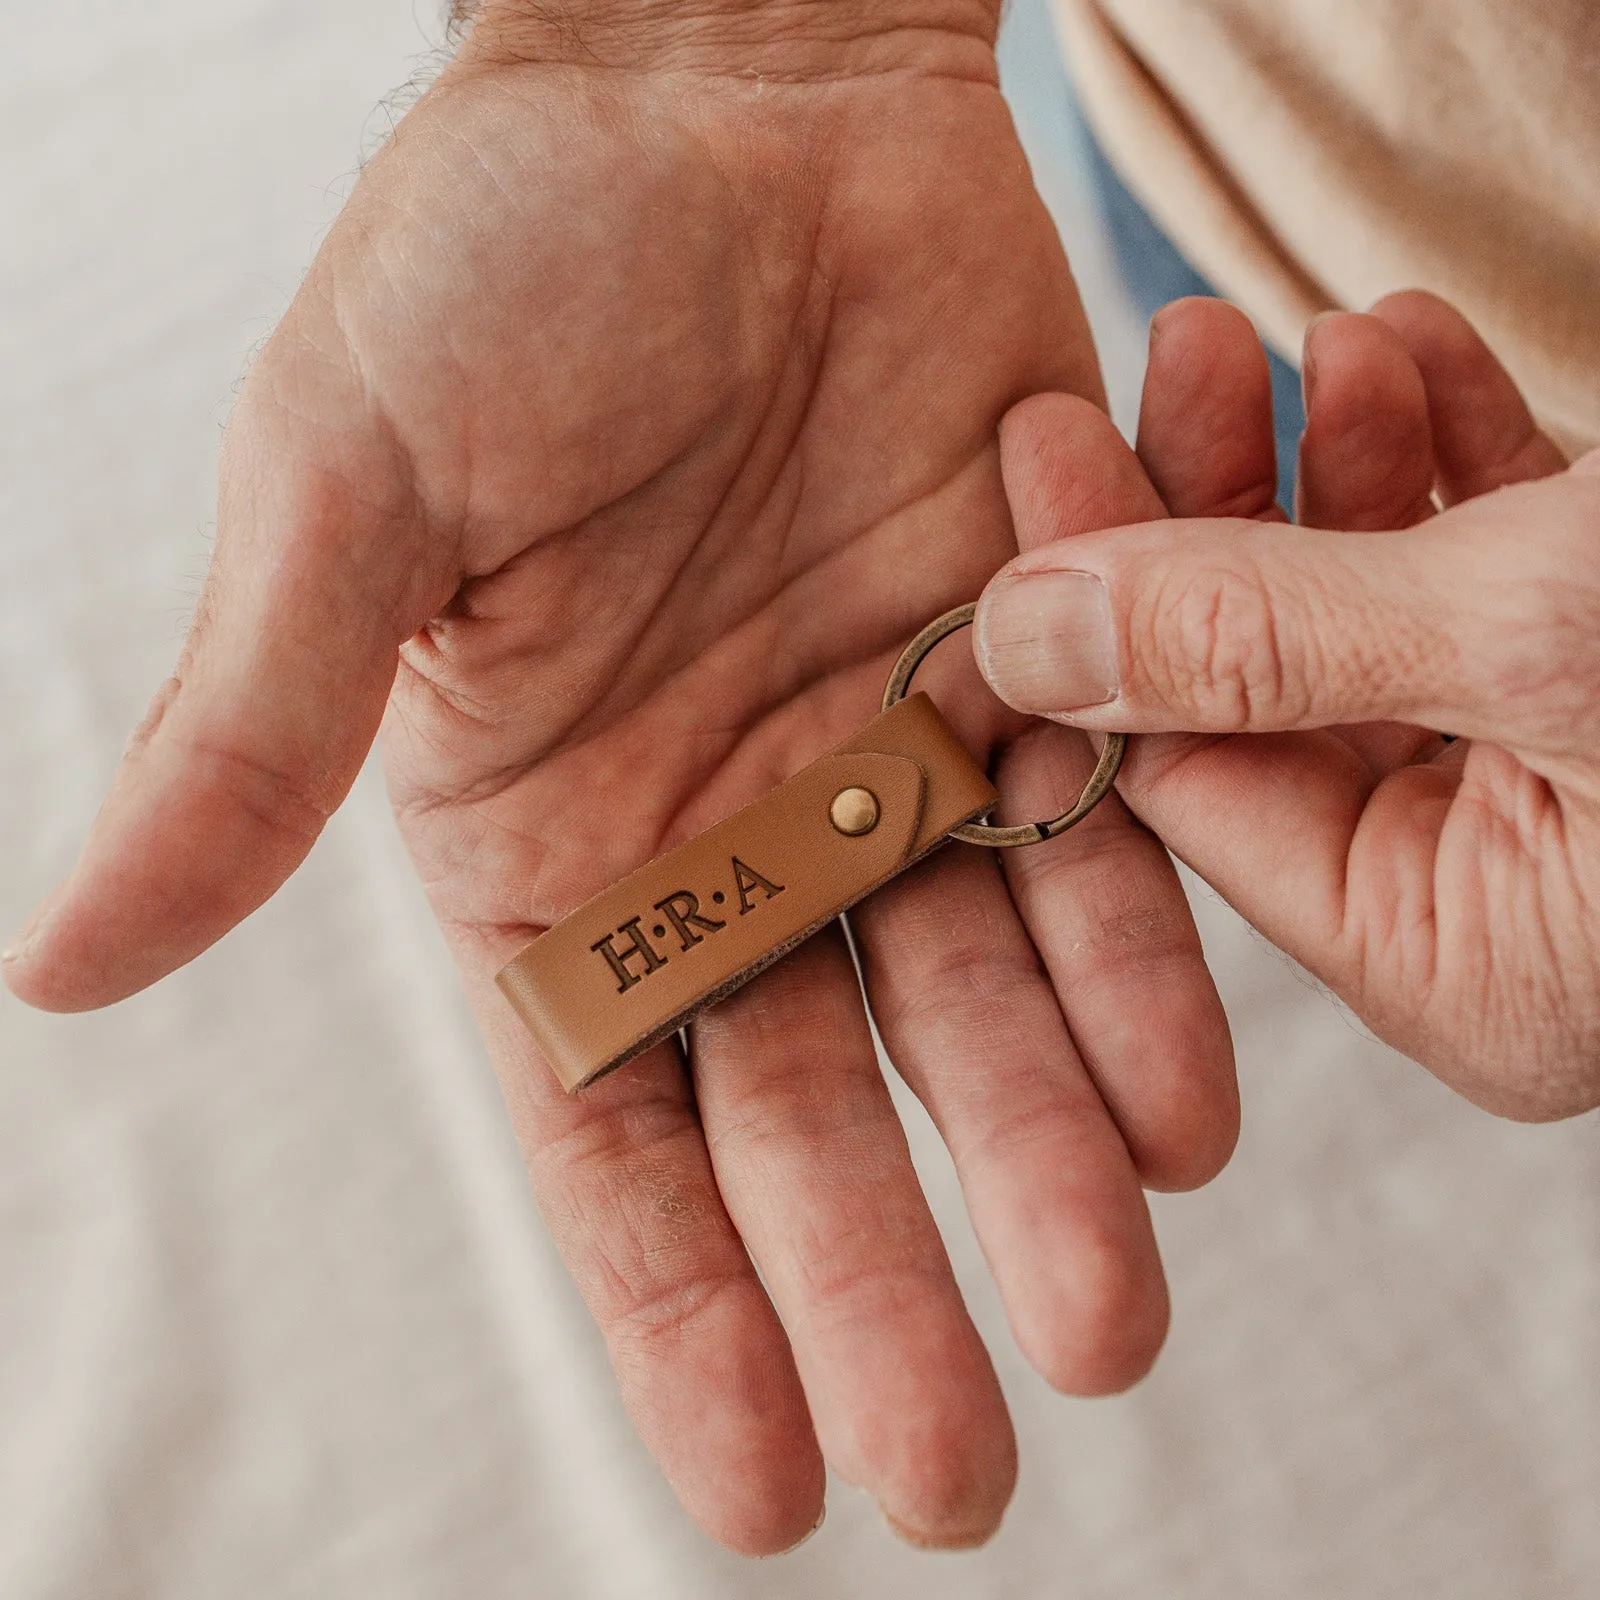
(1448, 892)
(638, 409)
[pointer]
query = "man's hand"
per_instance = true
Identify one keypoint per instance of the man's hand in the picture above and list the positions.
(1448, 891)
(639, 407)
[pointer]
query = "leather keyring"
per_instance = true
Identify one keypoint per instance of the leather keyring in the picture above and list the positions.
(629, 967)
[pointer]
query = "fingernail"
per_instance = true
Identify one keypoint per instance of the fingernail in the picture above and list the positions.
(919, 1540)
(1308, 359)
(1045, 641)
(810, 1533)
(31, 932)
(1158, 324)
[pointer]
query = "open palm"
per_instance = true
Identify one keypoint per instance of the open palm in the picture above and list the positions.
(626, 426)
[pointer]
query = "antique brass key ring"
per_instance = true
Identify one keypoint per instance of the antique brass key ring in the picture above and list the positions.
(1095, 790)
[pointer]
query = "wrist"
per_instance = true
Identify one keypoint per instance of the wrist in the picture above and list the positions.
(785, 39)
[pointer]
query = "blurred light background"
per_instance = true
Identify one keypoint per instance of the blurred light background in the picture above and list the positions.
(277, 1317)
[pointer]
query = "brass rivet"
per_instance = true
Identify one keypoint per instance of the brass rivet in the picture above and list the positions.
(854, 811)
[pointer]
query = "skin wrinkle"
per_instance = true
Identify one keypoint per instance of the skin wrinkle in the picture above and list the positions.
(1023, 1125)
(878, 1291)
(1477, 1075)
(287, 807)
(671, 1312)
(498, 781)
(1222, 611)
(966, 998)
(1517, 840)
(1552, 619)
(762, 621)
(633, 1175)
(439, 634)
(606, 1136)
(795, 433)
(471, 709)
(1362, 932)
(159, 705)
(467, 516)
(665, 598)
(821, 1120)
(415, 589)
(709, 40)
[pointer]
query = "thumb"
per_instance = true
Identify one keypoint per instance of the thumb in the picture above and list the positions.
(1467, 623)
(255, 741)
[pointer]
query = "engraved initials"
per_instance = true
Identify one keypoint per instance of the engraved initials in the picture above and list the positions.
(619, 959)
(682, 910)
(747, 878)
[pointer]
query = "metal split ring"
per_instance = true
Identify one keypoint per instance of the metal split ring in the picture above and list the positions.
(1101, 780)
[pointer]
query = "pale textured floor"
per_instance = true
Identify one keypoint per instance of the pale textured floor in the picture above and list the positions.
(276, 1316)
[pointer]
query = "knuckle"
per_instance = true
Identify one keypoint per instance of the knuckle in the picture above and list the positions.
(667, 1313)
(279, 801)
(628, 1202)
(1031, 1118)
(1212, 642)
(1130, 934)
(979, 997)
(842, 1275)
(647, 1154)
(962, 990)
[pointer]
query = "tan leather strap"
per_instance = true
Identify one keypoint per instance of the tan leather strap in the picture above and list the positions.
(630, 966)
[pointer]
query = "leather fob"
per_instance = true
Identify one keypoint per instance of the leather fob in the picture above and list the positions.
(632, 965)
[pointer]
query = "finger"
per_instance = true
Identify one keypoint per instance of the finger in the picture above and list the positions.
(1068, 471)
(624, 1181)
(1366, 458)
(971, 1023)
(814, 1167)
(1386, 746)
(319, 574)
(1205, 423)
(1230, 627)
(973, 1026)
(1108, 915)
(1483, 432)
(1103, 903)
(1366, 463)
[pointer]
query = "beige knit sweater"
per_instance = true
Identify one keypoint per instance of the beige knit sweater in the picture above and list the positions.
(1308, 154)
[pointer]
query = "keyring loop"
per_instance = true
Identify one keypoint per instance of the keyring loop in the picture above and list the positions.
(1095, 790)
